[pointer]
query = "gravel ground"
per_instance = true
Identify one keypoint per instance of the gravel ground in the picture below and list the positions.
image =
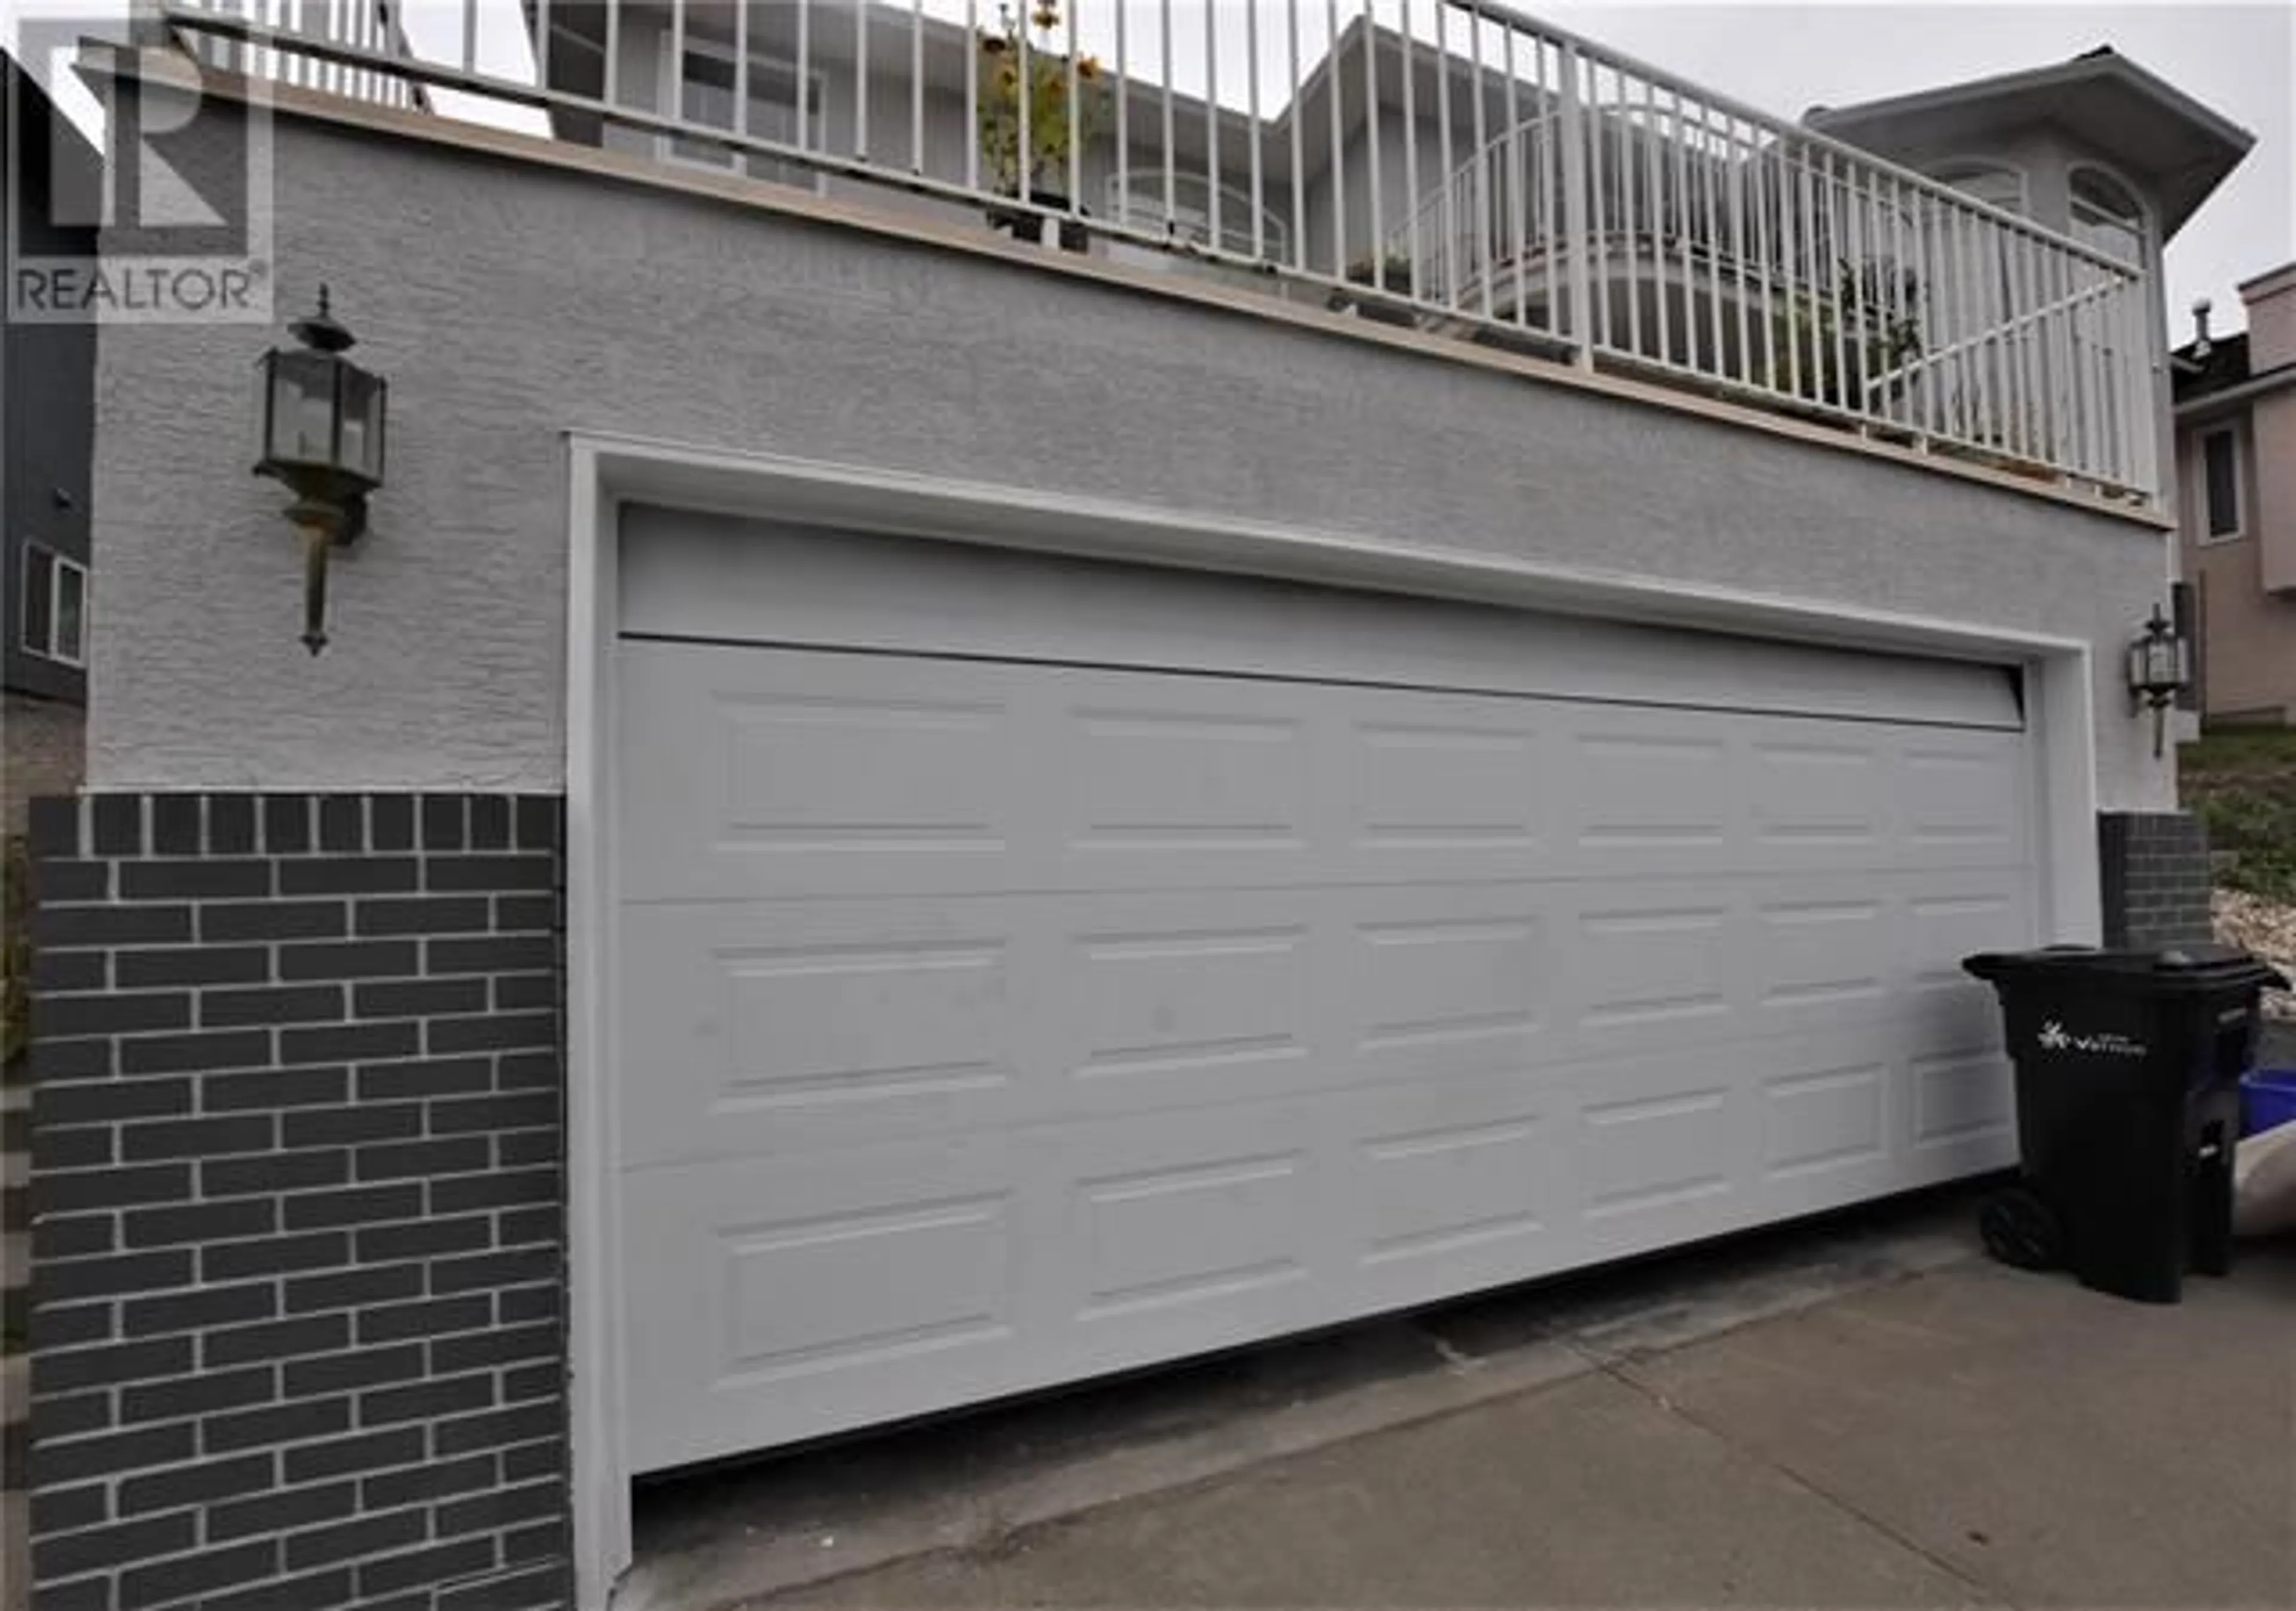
(2267, 928)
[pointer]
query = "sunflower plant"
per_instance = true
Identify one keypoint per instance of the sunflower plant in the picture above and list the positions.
(1054, 122)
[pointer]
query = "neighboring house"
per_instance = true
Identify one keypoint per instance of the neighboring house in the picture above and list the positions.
(2237, 459)
(47, 417)
(897, 814)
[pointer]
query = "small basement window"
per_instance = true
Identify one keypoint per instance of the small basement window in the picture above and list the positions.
(2220, 486)
(54, 612)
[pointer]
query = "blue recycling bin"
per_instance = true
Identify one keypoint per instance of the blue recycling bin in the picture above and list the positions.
(2267, 1099)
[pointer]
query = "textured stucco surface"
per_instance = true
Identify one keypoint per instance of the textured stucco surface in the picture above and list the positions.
(509, 304)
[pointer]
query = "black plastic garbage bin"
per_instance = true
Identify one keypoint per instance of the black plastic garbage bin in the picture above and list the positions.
(2129, 1066)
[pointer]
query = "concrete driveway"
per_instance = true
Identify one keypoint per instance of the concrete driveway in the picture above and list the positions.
(1864, 1414)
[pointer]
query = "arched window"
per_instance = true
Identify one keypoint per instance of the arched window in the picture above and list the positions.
(2106, 217)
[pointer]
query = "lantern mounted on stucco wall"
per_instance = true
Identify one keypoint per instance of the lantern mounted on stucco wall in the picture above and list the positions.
(2160, 669)
(321, 419)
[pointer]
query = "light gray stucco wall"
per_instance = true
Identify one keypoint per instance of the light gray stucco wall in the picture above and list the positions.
(510, 303)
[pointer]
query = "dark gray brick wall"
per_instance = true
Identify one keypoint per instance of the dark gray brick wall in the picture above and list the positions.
(298, 1283)
(2156, 878)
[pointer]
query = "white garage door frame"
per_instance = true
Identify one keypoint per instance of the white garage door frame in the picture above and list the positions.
(605, 473)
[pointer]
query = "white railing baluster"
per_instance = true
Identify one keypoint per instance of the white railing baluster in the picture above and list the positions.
(917, 81)
(1685, 228)
(1339, 146)
(2084, 402)
(805, 85)
(2135, 417)
(2112, 363)
(2134, 413)
(1410, 154)
(1298, 230)
(1373, 117)
(861, 9)
(1251, 97)
(2065, 362)
(1212, 186)
(2015, 388)
(1596, 123)
(1629, 218)
(1741, 213)
(1574, 206)
(2077, 412)
(2056, 371)
(677, 97)
(1518, 182)
(1711, 228)
(1485, 220)
(1762, 202)
(741, 83)
(972, 93)
(2015, 405)
(1122, 91)
(1865, 295)
(1801, 306)
(1074, 183)
(1455, 268)
(2124, 356)
(1024, 179)
(1550, 187)
(613, 62)
(1655, 140)
(1901, 317)
(2047, 365)
(1171, 143)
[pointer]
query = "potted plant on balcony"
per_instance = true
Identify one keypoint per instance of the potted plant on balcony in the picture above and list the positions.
(1020, 47)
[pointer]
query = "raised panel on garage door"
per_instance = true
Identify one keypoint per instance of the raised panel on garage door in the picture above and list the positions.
(985, 1023)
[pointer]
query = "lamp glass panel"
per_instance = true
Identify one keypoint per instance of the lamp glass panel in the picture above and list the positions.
(362, 445)
(302, 407)
(2161, 663)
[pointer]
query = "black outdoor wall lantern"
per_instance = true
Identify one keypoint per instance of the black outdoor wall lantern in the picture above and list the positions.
(321, 419)
(2160, 669)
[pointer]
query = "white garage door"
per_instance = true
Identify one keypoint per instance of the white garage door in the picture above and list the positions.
(1031, 968)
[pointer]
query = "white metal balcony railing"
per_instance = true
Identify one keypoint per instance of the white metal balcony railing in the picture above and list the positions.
(1448, 163)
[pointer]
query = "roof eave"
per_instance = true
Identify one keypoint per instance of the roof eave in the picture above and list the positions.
(2212, 125)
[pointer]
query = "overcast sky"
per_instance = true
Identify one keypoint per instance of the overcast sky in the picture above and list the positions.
(2238, 59)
